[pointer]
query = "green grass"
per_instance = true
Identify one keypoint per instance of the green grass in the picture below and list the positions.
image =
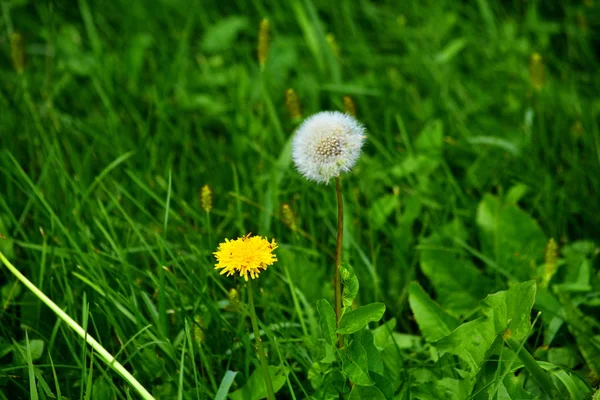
(126, 109)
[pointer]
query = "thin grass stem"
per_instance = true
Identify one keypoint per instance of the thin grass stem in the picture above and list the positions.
(104, 354)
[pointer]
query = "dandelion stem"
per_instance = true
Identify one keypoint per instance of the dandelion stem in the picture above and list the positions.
(261, 352)
(338, 257)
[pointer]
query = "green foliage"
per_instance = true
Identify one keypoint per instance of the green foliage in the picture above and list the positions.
(255, 387)
(327, 321)
(125, 110)
(433, 321)
(355, 320)
(350, 285)
(511, 237)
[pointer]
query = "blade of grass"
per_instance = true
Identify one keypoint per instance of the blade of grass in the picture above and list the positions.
(104, 354)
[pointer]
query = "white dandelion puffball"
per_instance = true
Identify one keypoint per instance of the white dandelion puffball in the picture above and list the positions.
(327, 144)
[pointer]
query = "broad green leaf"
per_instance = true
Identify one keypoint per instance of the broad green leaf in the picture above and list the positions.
(356, 320)
(384, 384)
(511, 388)
(433, 321)
(458, 284)
(576, 387)
(381, 209)
(511, 237)
(565, 357)
(421, 164)
(504, 310)
(366, 392)
(36, 347)
(355, 364)
(222, 35)
(350, 283)
(334, 383)
(382, 333)
(431, 139)
(445, 388)
(327, 321)
(365, 337)
(102, 390)
(515, 193)
(329, 354)
(470, 342)
(256, 389)
(511, 309)
(578, 267)
(582, 328)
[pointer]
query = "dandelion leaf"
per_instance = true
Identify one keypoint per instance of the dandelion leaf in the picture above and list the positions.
(433, 321)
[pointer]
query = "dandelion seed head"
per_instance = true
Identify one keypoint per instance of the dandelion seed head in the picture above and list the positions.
(327, 144)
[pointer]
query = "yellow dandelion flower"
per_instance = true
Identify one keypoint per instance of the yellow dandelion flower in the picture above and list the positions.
(245, 255)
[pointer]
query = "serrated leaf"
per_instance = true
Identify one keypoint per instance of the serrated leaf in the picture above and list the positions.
(327, 321)
(433, 321)
(350, 283)
(355, 364)
(356, 320)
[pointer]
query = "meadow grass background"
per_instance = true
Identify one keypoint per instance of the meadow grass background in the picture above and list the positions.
(125, 110)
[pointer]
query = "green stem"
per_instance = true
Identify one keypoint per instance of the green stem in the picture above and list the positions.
(101, 351)
(540, 376)
(338, 257)
(261, 352)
